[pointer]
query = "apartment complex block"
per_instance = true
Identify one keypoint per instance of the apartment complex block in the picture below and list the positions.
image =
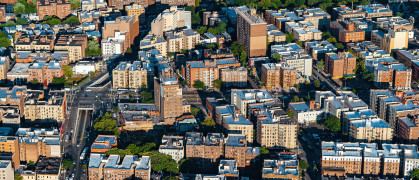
(285, 167)
(206, 150)
(293, 55)
(370, 130)
(251, 32)
(102, 167)
(411, 59)
(59, 8)
(37, 143)
(303, 31)
(168, 98)
(4, 67)
(136, 10)
(234, 77)
(128, 24)
(345, 32)
(173, 146)
(36, 42)
(52, 108)
(318, 49)
(389, 72)
(306, 112)
(44, 72)
(278, 75)
(74, 44)
(336, 104)
(129, 75)
(171, 19)
(340, 65)
(243, 97)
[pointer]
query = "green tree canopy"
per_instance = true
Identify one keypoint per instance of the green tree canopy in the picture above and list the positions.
(68, 72)
(263, 150)
(415, 174)
(67, 163)
(73, 20)
(52, 21)
(317, 83)
(218, 83)
(209, 122)
(93, 48)
(289, 37)
(120, 152)
(162, 162)
(199, 85)
(58, 80)
(104, 124)
(320, 65)
(195, 111)
(147, 97)
(290, 113)
(303, 164)
(75, 4)
(189, 166)
(332, 123)
(19, 8)
(21, 21)
(18, 177)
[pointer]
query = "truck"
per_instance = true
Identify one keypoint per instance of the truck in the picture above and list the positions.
(83, 154)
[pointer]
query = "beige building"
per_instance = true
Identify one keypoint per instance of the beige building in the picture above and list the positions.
(4, 67)
(128, 24)
(280, 133)
(154, 42)
(370, 130)
(169, 20)
(35, 42)
(303, 31)
(181, 40)
(391, 41)
(48, 168)
(168, 98)
(75, 44)
(6, 170)
(251, 32)
(136, 10)
(127, 75)
(38, 142)
(234, 77)
(50, 109)
(233, 122)
(173, 146)
(278, 75)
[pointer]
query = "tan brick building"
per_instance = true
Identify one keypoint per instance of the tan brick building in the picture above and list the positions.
(234, 76)
(278, 132)
(408, 129)
(235, 148)
(136, 10)
(278, 75)
(127, 75)
(392, 41)
(370, 130)
(50, 109)
(340, 65)
(168, 98)
(345, 31)
(130, 24)
(4, 67)
(251, 32)
(207, 150)
(59, 8)
(36, 42)
(341, 158)
(75, 44)
(45, 72)
(2, 13)
(38, 142)
(14, 97)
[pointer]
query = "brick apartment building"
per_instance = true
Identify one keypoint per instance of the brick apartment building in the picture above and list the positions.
(38, 142)
(251, 32)
(35, 42)
(234, 77)
(129, 75)
(52, 108)
(168, 98)
(2, 13)
(346, 32)
(44, 72)
(278, 75)
(119, 4)
(408, 129)
(11, 148)
(4, 67)
(75, 44)
(411, 59)
(340, 65)
(206, 150)
(59, 8)
(392, 41)
(130, 24)
(137, 11)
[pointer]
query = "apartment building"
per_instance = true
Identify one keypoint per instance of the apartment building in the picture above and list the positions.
(392, 41)
(151, 42)
(408, 129)
(206, 71)
(185, 39)
(233, 77)
(14, 97)
(30, 57)
(210, 18)
(52, 108)
(345, 32)
(316, 16)
(138, 116)
(236, 123)
(4, 67)
(35, 42)
(349, 116)
(168, 98)
(388, 72)
(173, 146)
(235, 148)
(59, 8)
(337, 104)
(251, 32)
(220, 53)
(370, 130)
(6, 169)
(10, 116)
(206, 150)
(339, 159)
(293, 55)
(129, 75)
(243, 97)
(44, 72)
(102, 167)
(280, 17)
(274, 34)
(3, 13)
(341, 65)
(10, 147)
(395, 23)
(228, 168)
(114, 45)
(37, 143)
(391, 160)
(306, 112)
(375, 10)
(303, 31)
(48, 168)
(74, 44)
(285, 167)
(318, 49)
(128, 24)
(169, 20)
(136, 10)
(278, 75)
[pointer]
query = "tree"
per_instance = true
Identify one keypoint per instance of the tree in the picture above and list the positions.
(162, 162)
(331, 39)
(93, 48)
(289, 3)
(104, 124)
(415, 174)
(302, 6)
(317, 83)
(129, 51)
(115, 109)
(58, 80)
(68, 72)
(321, 64)
(21, 21)
(75, 4)
(290, 114)
(189, 166)
(67, 163)
(221, 27)
(196, 19)
(218, 83)
(72, 20)
(34, 81)
(147, 147)
(143, 86)
(303, 164)
(276, 57)
(31, 163)
(332, 123)
(201, 30)
(133, 149)
(209, 122)
(299, 43)
(297, 86)
(263, 150)
(195, 111)
(18, 177)
(147, 97)
(19, 8)
(53, 21)
(212, 30)
(120, 152)
(339, 46)
(5, 42)
(296, 99)
(289, 37)
(354, 90)
(243, 58)
(184, 82)
(199, 85)
(326, 35)
(300, 3)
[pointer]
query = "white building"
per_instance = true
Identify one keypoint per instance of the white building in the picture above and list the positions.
(114, 45)
(84, 67)
(411, 159)
(6, 170)
(208, 38)
(241, 98)
(173, 146)
(306, 113)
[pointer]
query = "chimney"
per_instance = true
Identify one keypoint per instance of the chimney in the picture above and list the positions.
(312, 104)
